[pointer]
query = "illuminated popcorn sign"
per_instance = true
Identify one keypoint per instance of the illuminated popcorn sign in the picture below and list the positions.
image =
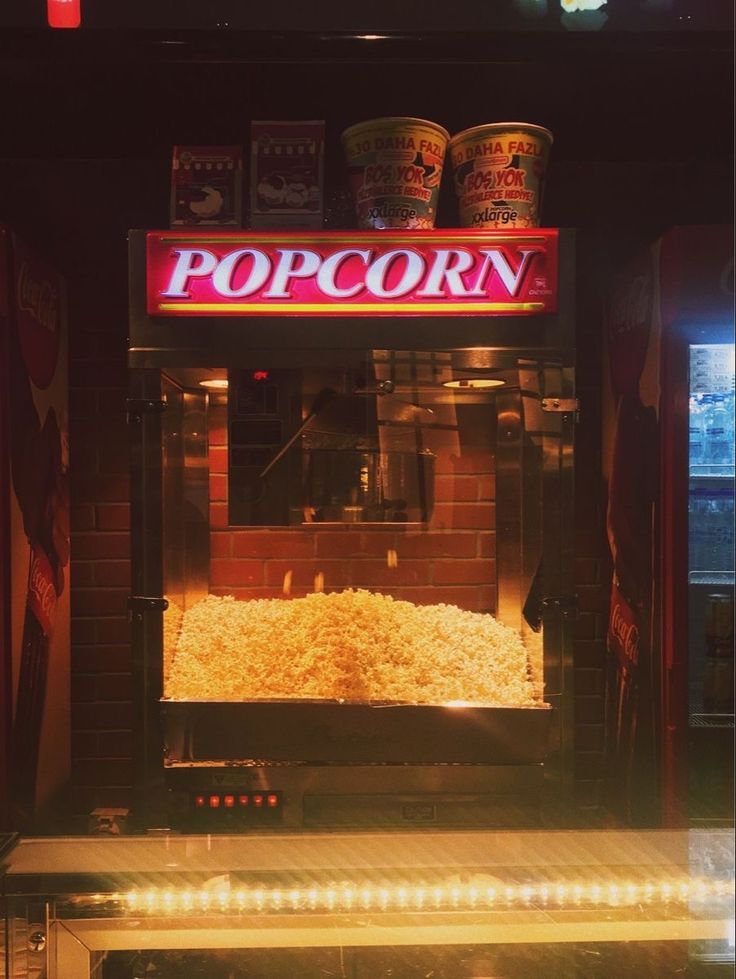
(361, 274)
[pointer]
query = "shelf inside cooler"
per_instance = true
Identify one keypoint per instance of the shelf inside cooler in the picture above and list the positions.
(711, 578)
(711, 720)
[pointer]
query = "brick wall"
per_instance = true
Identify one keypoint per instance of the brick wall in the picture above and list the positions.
(102, 712)
(452, 562)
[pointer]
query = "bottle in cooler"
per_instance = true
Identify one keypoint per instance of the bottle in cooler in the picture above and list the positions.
(696, 430)
(718, 449)
(718, 677)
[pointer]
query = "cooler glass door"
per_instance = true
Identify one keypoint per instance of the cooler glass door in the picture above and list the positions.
(710, 574)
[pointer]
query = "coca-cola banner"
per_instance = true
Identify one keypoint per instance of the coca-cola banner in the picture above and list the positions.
(38, 305)
(357, 274)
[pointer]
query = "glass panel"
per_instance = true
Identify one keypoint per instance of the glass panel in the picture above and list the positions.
(376, 528)
(711, 533)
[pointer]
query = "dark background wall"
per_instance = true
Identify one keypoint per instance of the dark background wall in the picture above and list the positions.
(642, 142)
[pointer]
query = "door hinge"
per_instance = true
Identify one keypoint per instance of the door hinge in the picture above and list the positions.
(562, 406)
(567, 605)
(138, 407)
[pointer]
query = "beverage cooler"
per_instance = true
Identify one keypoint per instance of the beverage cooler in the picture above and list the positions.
(351, 527)
(669, 459)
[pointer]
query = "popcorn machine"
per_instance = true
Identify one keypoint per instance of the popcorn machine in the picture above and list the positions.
(352, 527)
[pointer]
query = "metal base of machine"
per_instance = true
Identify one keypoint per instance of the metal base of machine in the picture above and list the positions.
(250, 795)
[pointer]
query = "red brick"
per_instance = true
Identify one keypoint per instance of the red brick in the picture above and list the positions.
(83, 631)
(83, 460)
(239, 572)
(83, 689)
(220, 544)
(104, 487)
(356, 543)
(437, 544)
(370, 572)
(487, 598)
(589, 653)
(113, 400)
(116, 744)
(217, 433)
(588, 681)
(593, 598)
(113, 378)
(273, 544)
(588, 710)
(463, 596)
(456, 488)
(464, 516)
(585, 627)
(96, 545)
(116, 658)
(114, 458)
(473, 462)
(114, 687)
(112, 516)
(85, 744)
(82, 574)
(82, 517)
(102, 717)
(86, 798)
(487, 543)
(103, 772)
(218, 487)
(112, 574)
(113, 630)
(218, 515)
(589, 737)
(588, 794)
(303, 573)
(82, 403)
(486, 487)
(461, 572)
(99, 601)
(218, 459)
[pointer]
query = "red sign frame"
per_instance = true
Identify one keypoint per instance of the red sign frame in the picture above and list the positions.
(389, 273)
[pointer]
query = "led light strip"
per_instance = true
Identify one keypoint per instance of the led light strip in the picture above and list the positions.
(364, 897)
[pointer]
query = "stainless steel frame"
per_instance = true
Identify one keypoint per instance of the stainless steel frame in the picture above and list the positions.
(534, 510)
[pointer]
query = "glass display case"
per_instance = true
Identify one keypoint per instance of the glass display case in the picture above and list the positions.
(461, 905)
(351, 543)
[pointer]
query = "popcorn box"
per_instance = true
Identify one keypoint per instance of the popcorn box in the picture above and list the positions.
(206, 186)
(287, 174)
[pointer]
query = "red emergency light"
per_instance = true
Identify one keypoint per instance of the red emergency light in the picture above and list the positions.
(63, 13)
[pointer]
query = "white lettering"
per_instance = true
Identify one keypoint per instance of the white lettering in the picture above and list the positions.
(377, 274)
(288, 268)
(222, 278)
(185, 269)
(495, 261)
(442, 271)
(329, 271)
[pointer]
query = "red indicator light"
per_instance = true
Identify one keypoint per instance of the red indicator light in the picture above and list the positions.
(243, 800)
(214, 802)
(229, 801)
(257, 800)
(200, 801)
(63, 13)
(272, 801)
(260, 375)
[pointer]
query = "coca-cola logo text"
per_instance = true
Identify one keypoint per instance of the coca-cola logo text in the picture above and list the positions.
(626, 633)
(39, 298)
(42, 590)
